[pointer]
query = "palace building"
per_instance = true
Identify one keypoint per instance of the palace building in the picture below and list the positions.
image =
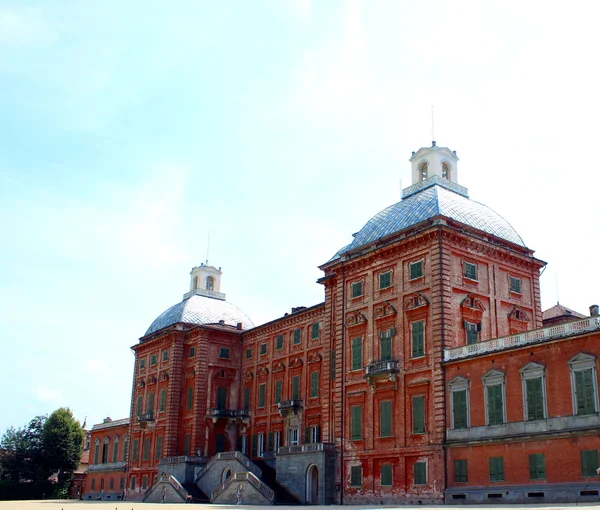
(428, 374)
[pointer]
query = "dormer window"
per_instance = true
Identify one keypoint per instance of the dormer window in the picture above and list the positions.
(446, 171)
(209, 283)
(424, 170)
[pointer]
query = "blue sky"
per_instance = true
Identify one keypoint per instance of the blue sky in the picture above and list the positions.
(131, 131)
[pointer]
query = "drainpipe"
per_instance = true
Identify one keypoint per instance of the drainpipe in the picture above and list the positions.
(343, 391)
(445, 450)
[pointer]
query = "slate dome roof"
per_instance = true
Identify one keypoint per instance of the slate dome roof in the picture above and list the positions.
(199, 309)
(433, 201)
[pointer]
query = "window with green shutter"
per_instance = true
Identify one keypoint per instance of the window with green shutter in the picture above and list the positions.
(385, 344)
(459, 409)
(263, 349)
(189, 399)
(224, 353)
(153, 360)
(357, 289)
(132, 486)
(584, 391)
(124, 450)
(246, 398)
(535, 398)
(496, 469)
(418, 408)
(192, 352)
(186, 444)
(158, 451)
(136, 449)
(416, 269)
(162, 401)
(150, 402)
(146, 449)
(314, 384)
(314, 331)
(97, 451)
(515, 285)
(589, 462)
(262, 388)
(460, 470)
(470, 271)
(420, 473)
(165, 356)
(385, 280)
(418, 339)
(249, 353)
(222, 398)
(142, 363)
(115, 455)
(138, 406)
(355, 476)
(297, 336)
(278, 390)
(279, 342)
(385, 418)
(296, 387)
(495, 404)
(356, 422)
(537, 466)
(472, 329)
(357, 354)
(386, 474)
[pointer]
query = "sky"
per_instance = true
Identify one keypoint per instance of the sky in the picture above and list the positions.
(131, 132)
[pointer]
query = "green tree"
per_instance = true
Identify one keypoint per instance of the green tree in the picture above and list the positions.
(62, 440)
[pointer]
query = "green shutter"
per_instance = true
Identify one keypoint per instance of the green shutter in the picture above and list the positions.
(584, 391)
(357, 353)
(418, 339)
(459, 404)
(261, 395)
(146, 449)
(158, 452)
(297, 337)
(136, 449)
(115, 457)
(385, 345)
(296, 387)
(162, 400)
(589, 462)
(418, 404)
(496, 469)
(315, 331)
(254, 446)
(385, 418)
(186, 444)
(386, 474)
(356, 422)
(460, 470)
(150, 406)
(537, 466)
(96, 453)
(495, 405)
(355, 476)
(138, 406)
(221, 398)
(420, 473)
(314, 384)
(535, 399)
(190, 393)
(278, 386)
(246, 398)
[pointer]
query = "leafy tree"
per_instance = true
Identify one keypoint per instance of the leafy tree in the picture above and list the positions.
(62, 440)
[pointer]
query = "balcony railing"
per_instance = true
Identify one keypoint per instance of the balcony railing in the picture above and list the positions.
(388, 368)
(305, 448)
(528, 337)
(229, 413)
(289, 406)
(107, 466)
(146, 417)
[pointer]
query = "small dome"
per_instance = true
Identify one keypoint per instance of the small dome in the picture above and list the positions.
(198, 309)
(433, 201)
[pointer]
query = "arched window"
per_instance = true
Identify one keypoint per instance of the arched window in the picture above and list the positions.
(424, 170)
(115, 456)
(96, 450)
(105, 450)
(209, 283)
(446, 171)
(195, 283)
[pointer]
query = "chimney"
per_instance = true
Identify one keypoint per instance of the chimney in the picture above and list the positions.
(239, 326)
(594, 310)
(108, 419)
(221, 322)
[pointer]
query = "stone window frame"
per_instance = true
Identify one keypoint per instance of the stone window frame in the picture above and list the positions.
(465, 272)
(512, 289)
(354, 475)
(426, 481)
(414, 263)
(388, 465)
(533, 371)
(494, 378)
(581, 362)
(354, 285)
(460, 383)
(383, 273)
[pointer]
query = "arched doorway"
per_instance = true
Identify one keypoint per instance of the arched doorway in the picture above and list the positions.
(225, 474)
(312, 485)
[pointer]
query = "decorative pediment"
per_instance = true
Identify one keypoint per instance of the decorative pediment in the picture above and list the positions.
(296, 362)
(384, 309)
(248, 375)
(518, 314)
(418, 382)
(459, 383)
(164, 376)
(278, 367)
(314, 358)
(262, 371)
(533, 368)
(356, 318)
(190, 372)
(582, 361)
(493, 377)
(471, 302)
(414, 301)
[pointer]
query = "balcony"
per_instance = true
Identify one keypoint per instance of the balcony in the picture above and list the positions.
(145, 418)
(107, 466)
(305, 448)
(382, 370)
(288, 407)
(230, 414)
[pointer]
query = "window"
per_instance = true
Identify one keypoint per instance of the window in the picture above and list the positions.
(278, 387)
(423, 170)
(296, 387)
(144, 482)
(263, 349)
(312, 434)
(190, 394)
(165, 355)
(150, 402)
(418, 338)
(385, 418)
(589, 462)
(94, 483)
(496, 469)
(537, 466)
(210, 283)
(221, 398)
(96, 451)
(136, 449)
(262, 389)
(470, 271)
(142, 363)
(584, 386)
(314, 384)
(357, 354)
(472, 330)
(224, 353)
(314, 331)
(115, 455)
(132, 486)
(459, 402)
(418, 409)
(278, 342)
(246, 398)
(515, 284)
(293, 436)
(277, 439)
(356, 423)
(158, 450)
(493, 383)
(125, 447)
(357, 289)
(186, 444)
(138, 406)
(460, 470)
(146, 449)
(153, 360)
(445, 171)
(385, 280)
(297, 336)
(249, 353)
(162, 400)
(532, 376)
(121, 483)
(355, 476)
(105, 450)
(415, 269)
(420, 473)
(386, 474)
(192, 352)
(385, 344)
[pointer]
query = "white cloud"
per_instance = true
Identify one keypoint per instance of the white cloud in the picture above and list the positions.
(301, 8)
(48, 395)
(96, 366)
(23, 27)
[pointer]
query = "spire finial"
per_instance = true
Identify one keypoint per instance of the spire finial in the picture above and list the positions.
(432, 131)
(207, 248)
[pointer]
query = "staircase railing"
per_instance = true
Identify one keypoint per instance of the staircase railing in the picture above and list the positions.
(251, 478)
(178, 487)
(240, 457)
